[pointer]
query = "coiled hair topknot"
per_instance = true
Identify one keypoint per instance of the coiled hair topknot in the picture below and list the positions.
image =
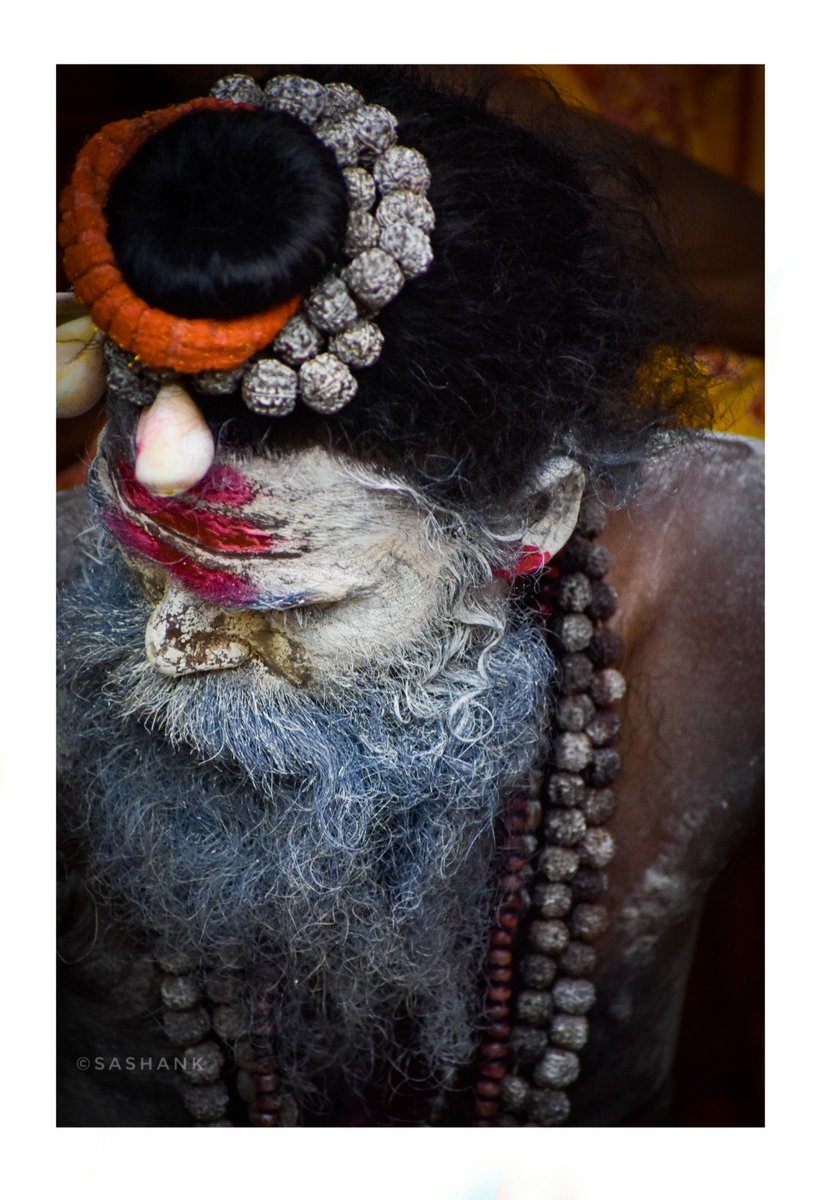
(224, 214)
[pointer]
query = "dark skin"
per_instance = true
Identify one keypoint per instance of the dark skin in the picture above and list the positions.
(687, 567)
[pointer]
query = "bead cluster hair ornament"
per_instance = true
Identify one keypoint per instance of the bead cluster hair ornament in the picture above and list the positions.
(307, 348)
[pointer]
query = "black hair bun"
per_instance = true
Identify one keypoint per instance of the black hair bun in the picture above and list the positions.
(225, 214)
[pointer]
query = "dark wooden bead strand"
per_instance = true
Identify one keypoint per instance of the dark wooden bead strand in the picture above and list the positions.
(265, 1101)
(552, 988)
(523, 818)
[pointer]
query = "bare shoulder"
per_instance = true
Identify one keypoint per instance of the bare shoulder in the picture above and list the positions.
(688, 566)
(694, 531)
(688, 561)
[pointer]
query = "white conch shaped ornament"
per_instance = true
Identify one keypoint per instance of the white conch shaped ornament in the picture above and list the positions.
(81, 368)
(175, 446)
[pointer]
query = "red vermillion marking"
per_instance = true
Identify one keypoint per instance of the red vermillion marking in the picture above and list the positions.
(219, 587)
(183, 514)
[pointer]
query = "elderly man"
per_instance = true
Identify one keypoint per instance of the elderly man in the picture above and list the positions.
(338, 736)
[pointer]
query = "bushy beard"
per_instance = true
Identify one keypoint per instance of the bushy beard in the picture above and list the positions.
(341, 846)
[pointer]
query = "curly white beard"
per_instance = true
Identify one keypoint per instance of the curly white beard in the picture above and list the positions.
(343, 848)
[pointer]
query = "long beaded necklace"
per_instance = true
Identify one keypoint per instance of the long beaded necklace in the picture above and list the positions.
(553, 853)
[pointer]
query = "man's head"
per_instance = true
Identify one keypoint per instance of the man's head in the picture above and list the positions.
(544, 325)
(314, 566)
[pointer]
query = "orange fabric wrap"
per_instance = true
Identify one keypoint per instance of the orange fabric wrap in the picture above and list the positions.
(158, 338)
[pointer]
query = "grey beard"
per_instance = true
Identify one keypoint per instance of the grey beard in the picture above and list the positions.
(341, 847)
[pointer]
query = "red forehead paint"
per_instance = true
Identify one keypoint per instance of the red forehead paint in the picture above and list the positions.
(183, 514)
(220, 587)
(223, 485)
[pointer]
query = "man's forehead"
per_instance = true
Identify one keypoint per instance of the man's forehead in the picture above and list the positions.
(309, 494)
(310, 483)
(272, 530)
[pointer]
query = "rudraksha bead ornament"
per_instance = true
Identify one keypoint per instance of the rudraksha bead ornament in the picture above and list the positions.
(188, 1021)
(554, 871)
(333, 332)
(221, 1047)
(386, 243)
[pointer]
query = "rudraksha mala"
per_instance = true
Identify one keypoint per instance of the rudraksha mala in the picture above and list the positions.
(192, 1019)
(205, 1015)
(554, 851)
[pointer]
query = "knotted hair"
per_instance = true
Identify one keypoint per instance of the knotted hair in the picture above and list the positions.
(549, 322)
(223, 214)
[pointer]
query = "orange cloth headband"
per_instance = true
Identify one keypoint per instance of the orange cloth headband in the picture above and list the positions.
(158, 338)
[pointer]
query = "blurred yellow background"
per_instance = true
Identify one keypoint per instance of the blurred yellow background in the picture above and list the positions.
(714, 114)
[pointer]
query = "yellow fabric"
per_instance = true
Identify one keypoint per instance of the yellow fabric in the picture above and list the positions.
(714, 114)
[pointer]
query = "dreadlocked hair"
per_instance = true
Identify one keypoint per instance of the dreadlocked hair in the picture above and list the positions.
(550, 321)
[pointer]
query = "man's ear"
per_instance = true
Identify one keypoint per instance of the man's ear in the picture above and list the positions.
(552, 502)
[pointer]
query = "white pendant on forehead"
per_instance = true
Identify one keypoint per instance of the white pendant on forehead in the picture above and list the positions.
(175, 447)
